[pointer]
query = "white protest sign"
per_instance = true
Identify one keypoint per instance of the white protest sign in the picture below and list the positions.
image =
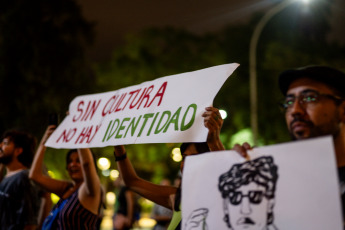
(286, 186)
(166, 110)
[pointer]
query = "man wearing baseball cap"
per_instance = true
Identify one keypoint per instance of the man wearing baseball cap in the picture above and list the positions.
(314, 106)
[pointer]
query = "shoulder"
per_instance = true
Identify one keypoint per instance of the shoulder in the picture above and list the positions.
(20, 178)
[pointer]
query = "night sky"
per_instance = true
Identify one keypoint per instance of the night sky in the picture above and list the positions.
(114, 19)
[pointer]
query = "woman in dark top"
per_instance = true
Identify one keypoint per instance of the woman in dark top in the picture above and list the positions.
(80, 199)
(126, 207)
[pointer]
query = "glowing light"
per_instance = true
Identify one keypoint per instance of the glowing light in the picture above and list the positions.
(223, 113)
(306, 1)
(176, 155)
(145, 222)
(106, 172)
(177, 158)
(114, 174)
(176, 151)
(110, 198)
(147, 202)
(54, 198)
(51, 174)
(103, 163)
(244, 135)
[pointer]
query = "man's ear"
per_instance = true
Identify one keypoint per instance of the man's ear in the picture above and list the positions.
(18, 151)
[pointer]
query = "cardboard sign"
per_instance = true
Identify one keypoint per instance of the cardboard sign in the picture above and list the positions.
(166, 110)
(285, 186)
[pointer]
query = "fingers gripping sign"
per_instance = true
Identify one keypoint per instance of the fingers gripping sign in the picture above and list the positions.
(50, 129)
(214, 122)
(242, 149)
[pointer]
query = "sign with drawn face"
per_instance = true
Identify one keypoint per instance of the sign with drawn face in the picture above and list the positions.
(247, 189)
(166, 110)
(285, 186)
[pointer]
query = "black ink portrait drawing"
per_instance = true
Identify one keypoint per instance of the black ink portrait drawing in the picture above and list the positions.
(248, 192)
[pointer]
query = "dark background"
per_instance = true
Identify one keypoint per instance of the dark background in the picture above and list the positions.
(115, 19)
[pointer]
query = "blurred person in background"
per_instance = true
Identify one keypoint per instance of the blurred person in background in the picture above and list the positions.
(160, 214)
(20, 199)
(126, 211)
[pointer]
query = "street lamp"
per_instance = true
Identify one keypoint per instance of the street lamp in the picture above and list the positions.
(252, 63)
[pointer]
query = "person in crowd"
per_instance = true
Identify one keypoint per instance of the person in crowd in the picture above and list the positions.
(177, 180)
(160, 214)
(80, 201)
(20, 199)
(126, 207)
(314, 106)
(170, 196)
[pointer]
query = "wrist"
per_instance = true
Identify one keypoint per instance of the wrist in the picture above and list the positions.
(121, 157)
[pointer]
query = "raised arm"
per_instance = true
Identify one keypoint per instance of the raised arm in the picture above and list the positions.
(90, 190)
(36, 171)
(213, 121)
(162, 195)
(91, 179)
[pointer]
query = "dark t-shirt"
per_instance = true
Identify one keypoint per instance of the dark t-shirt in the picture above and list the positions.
(121, 203)
(19, 201)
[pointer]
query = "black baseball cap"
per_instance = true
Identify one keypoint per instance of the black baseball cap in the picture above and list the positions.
(328, 75)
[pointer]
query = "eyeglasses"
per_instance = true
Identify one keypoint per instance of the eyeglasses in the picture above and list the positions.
(255, 197)
(307, 98)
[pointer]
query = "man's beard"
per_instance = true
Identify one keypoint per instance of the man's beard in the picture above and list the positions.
(297, 119)
(6, 159)
(314, 131)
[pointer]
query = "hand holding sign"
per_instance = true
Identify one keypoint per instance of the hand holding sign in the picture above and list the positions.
(213, 122)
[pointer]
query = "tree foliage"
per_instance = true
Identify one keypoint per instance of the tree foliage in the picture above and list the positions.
(42, 65)
(294, 38)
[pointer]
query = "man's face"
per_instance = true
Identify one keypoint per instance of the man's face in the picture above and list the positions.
(248, 207)
(7, 148)
(312, 119)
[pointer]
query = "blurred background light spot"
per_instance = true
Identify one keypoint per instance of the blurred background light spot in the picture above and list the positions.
(146, 223)
(54, 198)
(106, 172)
(223, 113)
(176, 154)
(103, 163)
(244, 135)
(110, 198)
(114, 174)
(306, 1)
(51, 174)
